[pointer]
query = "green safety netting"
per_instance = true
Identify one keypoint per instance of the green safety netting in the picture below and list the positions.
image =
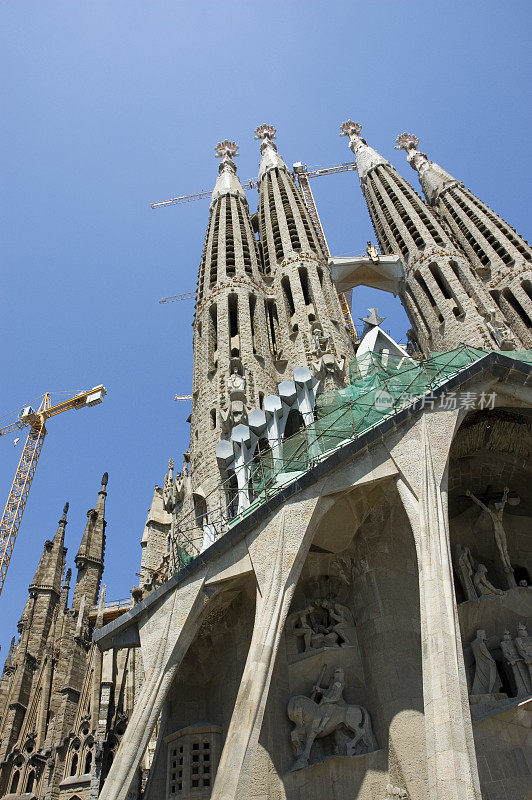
(379, 386)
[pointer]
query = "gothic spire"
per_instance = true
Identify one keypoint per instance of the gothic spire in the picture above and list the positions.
(432, 177)
(49, 571)
(89, 558)
(366, 157)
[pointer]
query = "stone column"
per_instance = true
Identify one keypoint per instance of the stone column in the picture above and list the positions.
(277, 555)
(451, 761)
(165, 637)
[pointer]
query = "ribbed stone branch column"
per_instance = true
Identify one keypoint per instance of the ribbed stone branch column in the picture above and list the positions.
(165, 640)
(451, 763)
(277, 554)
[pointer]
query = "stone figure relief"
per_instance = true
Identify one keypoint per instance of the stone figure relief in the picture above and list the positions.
(327, 713)
(395, 791)
(237, 411)
(482, 584)
(502, 335)
(472, 575)
(173, 489)
(495, 511)
(486, 680)
(324, 623)
(516, 663)
(324, 362)
(464, 568)
(523, 643)
(322, 342)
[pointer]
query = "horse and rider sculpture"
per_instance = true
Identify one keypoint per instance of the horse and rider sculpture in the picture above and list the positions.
(326, 712)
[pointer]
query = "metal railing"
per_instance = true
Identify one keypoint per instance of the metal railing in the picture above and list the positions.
(285, 460)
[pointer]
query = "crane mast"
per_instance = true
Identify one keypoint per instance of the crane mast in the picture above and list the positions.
(20, 488)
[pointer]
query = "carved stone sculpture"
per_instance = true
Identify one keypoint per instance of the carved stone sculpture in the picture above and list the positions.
(344, 626)
(325, 363)
(517, 666)
(324, 713)
(324, 623)
(237, 412)
(495, 512)
(465, 569)
(322, 343)
(482, 584)
(486, 680)
(395, 791)
(172, 489)
(523, 644)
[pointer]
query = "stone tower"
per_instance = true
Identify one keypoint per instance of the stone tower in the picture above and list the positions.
(63, 704)
(499, 255)
(305, 318)
(89, 559)
(233, 364)
(443, 296)
(36, 629)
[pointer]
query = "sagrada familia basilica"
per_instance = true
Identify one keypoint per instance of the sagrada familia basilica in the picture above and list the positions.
(335, 589)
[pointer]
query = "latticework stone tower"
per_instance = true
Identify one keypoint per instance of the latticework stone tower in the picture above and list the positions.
(443, 296)
(233, 363)
(307, 306)
(499, 255)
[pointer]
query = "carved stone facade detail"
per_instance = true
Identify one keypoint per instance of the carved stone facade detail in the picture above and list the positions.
(326, 713)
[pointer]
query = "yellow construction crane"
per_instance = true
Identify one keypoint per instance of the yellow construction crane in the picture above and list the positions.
(18, 495)
(302, 173)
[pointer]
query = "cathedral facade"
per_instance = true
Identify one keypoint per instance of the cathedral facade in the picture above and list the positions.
(335, 589)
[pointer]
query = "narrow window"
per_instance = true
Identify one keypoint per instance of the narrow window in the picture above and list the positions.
(517, 307)
(273, 321)
(88, 762)
(285, 283)
(303, 277)
(74, 765)
(213, 334)
(213, 419)
(252, 306)
(200, 510)
(233, 315)
(14, 782)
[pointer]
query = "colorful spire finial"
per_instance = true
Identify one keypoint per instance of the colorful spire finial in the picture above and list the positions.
(265, 132)
(350, 128)
(226, 149)
(406, 141)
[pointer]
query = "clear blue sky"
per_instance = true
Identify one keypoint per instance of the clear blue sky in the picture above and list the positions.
(111, 104)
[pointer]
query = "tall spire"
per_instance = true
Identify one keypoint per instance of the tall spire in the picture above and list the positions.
(89, 558)
(432, 177)
(49, 571)
(366, 157)
(500, 256)
(305, 308)
(230, 334)
(447, 303)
